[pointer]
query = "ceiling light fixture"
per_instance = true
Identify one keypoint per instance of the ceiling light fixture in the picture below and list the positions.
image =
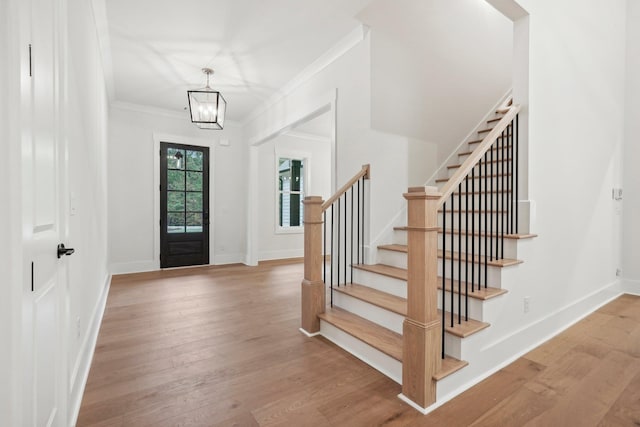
(207, 106)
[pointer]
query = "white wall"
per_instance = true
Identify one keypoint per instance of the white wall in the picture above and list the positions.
(88, 272)
(131, 187)
(631, 212)
(274, 244)
(577, 95)
(438, 73)
(356, 143)
(10, 217)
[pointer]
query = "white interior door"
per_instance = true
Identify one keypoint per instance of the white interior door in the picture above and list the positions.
(44, 220)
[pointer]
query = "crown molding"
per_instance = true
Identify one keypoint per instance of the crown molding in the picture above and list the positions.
(352, 39)
(155, 111)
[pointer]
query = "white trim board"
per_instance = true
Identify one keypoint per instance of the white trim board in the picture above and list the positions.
(80, 373)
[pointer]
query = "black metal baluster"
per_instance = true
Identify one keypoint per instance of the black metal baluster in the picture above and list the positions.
(482, 195)
(345, 237)
(338, 246)
(444, 267)
(324, 247)
(352, 234)
(511, 179)
(487, 226)
(331, 252)
(459, 253)
(505, 209)
(517, 138)
(466, 249)
(444, 255)
(358, 221)
(493, 202)
(363, 205)
(473, 228)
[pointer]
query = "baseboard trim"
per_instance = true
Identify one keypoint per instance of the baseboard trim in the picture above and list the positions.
(134, 267)
(283, 254)
(224, 259)
(565, 316)
(80, 373)
(315, 334)
(630, 286)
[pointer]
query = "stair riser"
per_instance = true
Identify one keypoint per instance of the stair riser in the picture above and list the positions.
(472, 202)
(478, 218)
(373, 313)
(370, 355)
(475, 305)
(510, 245)
(494, 274)
(462, 348)
(380, 282)
(497, 167)
(480, 183)
(393, 258)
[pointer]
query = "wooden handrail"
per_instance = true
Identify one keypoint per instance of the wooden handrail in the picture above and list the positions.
(476, 156)
(364, 172)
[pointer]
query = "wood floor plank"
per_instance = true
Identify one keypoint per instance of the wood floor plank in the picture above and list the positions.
(221, 347)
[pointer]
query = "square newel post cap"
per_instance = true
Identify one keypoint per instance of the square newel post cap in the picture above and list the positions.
(425, 192)
(313, 200)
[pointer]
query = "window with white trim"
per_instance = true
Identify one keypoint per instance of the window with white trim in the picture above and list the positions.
(291, 189)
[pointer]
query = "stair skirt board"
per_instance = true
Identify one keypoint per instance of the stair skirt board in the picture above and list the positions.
(373, 357)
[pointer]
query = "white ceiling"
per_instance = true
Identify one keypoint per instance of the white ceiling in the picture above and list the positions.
(158, 47)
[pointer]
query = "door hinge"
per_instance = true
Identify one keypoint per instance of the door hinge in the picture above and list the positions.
(30, 62)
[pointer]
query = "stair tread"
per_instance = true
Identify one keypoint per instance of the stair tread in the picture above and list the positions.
(463, 329)
(504, 262)
(448, 367)
(481, 294)
(497, 119)
(383, 339)
(482, 162)
(399, 305)
(401, 273)
(381, 299)
(485, 130)
(474, 211)
(385, 270)
(476, 177)
(513, 236)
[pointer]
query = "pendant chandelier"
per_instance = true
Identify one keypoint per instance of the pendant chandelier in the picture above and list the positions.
(207, 106)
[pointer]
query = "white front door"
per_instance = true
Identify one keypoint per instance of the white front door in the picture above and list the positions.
(44, 227)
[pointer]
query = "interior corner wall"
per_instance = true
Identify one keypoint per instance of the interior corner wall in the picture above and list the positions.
(88, 273)
(356, 143)
(576, 109)
(274, 244)
(631, 178)
(132, 162)
(439, 73)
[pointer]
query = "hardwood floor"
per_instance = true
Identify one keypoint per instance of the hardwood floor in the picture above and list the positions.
(221, 347)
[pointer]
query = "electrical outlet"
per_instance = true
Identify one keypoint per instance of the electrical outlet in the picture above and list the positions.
(78, 327)
(527, 304)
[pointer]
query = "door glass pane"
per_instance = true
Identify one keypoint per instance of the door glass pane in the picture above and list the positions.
(194, 160)
(194, 222)
(194, 202)
(175, 201)
(175, 222)
(194, 181)
(175, 158)
(175, 180)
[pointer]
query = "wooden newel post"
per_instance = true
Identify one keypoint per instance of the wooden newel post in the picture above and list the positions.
(313, 292)
(422, 333)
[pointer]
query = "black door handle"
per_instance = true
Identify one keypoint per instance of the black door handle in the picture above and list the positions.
(64, 251)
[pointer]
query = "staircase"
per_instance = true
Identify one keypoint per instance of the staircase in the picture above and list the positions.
(477, 235)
